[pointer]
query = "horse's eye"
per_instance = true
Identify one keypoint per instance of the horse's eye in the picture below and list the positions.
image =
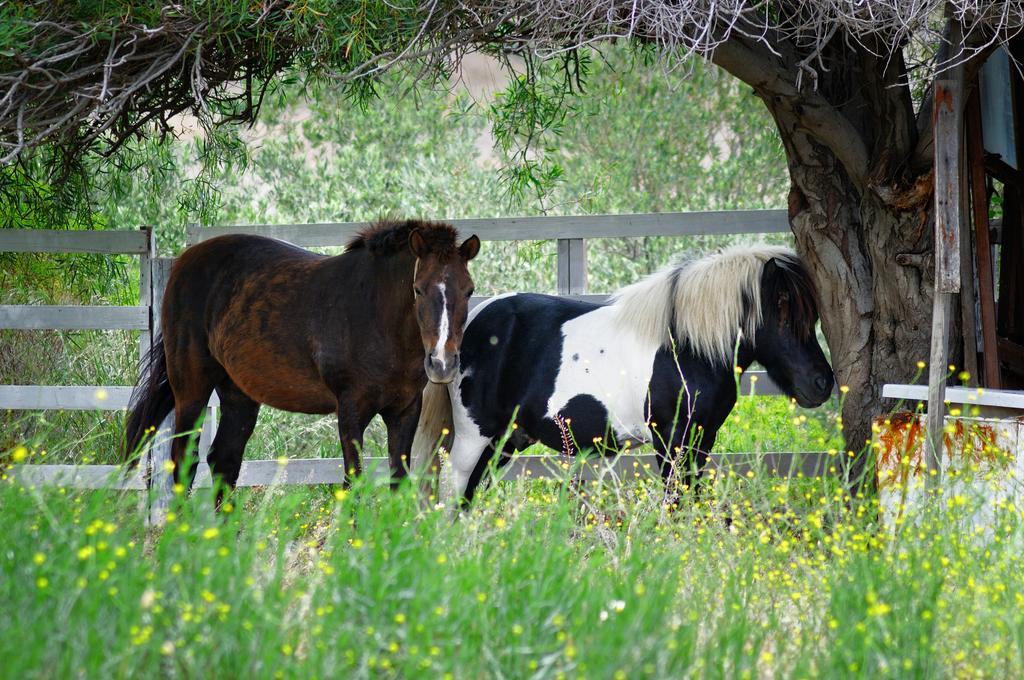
(417, 291)
(469, 293)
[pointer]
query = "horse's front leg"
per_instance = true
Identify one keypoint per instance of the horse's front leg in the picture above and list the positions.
(682, 462)
(352, 422)
(401, 423)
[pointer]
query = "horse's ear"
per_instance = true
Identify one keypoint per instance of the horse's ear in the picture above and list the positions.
(772, 269)
(470, 247)
(417, 244)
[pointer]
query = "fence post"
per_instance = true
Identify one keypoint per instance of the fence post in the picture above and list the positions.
(209, 430)
(146, 292)
(161, 482)
(572, 266)
(146, 336)
(192, 233)
(948, 136)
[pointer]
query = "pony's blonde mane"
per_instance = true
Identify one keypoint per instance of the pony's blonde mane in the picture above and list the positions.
(712, 298)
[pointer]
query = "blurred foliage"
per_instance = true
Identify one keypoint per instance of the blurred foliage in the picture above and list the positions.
(637, 140)
(88, 77)
(645, 140)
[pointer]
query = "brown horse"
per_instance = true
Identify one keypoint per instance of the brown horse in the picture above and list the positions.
(265, 322)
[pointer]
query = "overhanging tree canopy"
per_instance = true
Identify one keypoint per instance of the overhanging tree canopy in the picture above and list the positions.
(848, 83)
(77, 73)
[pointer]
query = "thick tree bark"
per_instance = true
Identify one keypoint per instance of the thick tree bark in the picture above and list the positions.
(875, 311)
(860, 211)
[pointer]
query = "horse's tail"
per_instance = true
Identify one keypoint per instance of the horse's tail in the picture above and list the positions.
(434, 431)
(151, 402)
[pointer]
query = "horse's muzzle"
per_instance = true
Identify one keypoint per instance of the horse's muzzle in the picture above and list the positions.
(441, 370)
(816, 392)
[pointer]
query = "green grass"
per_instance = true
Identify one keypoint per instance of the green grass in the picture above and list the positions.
(763, 424)
(536, 582)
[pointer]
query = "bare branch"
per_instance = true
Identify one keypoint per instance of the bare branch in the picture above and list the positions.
(773, 84)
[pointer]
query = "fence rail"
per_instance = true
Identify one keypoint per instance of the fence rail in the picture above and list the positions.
(314, 471)
(65, 397)
(721, 223)
(58, 241)
(570, 232)
(76, 317)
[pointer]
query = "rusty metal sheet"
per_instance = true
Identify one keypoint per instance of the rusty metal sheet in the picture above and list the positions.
(982, 462)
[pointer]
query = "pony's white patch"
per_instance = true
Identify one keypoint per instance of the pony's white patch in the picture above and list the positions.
(468, 444)
(443, 330)
(612, 365)
(708, 297)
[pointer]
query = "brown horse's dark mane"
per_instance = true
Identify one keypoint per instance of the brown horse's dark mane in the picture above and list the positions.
(388, 237)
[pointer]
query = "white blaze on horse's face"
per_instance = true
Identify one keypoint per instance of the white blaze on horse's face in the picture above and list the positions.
(443, 331)
(442, 288)
(441, 322)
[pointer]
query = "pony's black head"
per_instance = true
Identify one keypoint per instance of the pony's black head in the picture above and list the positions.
(785, 343)
(441, 284)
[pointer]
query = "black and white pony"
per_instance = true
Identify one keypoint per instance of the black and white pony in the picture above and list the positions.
(657, 364)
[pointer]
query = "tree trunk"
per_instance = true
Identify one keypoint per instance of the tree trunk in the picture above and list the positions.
(860, 207)
(875, 311)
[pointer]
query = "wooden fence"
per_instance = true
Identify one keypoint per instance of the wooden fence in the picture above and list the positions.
(62, 317)
(569, 232)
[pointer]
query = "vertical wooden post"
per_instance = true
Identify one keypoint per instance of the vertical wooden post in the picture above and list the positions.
(947, 137)
(146, 336)
(968, 287)
(146, 291)
(983, 252)
(209, 430)
(192, 230)
(947, 122)
(968, 297)
(161, 272)
(161, 482)
(572, 266)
